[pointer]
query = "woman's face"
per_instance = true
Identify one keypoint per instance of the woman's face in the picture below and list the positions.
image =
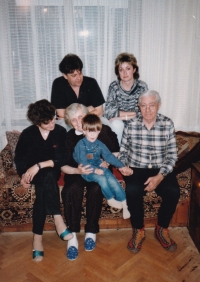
(76, 120)
(49, 126)
(126, 72)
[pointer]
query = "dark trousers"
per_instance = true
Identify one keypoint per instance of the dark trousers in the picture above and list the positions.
(47, 197)
(168, 190)
(72, 196)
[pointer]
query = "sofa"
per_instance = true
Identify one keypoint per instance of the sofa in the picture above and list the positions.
(16, 202)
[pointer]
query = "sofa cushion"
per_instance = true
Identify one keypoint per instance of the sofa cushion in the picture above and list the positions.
(12, 137)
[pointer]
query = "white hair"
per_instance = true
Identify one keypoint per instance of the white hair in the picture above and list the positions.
(150, 93)
(72, 109)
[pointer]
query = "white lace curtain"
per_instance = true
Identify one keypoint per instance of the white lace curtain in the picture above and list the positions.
(163, 35)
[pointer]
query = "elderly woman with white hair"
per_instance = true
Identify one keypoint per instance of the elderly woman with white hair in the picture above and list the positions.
(72, 193)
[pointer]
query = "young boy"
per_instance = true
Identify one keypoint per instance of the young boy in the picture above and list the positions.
(89, 151)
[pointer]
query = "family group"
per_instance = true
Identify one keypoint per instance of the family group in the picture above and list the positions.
(76, 135)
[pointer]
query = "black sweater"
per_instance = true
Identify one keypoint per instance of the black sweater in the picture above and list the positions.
(32, 148)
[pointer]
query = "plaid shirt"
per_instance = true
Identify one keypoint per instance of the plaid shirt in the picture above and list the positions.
(154, 148)
(120, 100)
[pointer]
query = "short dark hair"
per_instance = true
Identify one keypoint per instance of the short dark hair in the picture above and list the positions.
(91, 122)
(126, 58)
(41, 111)
(70, 63)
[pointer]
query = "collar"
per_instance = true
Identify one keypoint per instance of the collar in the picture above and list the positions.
(78, 132)
(132, 88)
(91, 144)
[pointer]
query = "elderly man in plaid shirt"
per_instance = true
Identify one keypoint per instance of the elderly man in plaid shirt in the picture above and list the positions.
(149, 148)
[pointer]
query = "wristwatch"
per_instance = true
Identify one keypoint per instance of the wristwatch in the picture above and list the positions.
(163, 174)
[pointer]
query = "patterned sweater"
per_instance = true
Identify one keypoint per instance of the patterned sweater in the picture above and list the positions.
(120, 100)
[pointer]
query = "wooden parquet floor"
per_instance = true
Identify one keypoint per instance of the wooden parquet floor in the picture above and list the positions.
(110, 261)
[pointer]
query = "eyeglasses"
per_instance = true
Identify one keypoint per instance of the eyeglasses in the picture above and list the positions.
(76, 120)
(152, 107)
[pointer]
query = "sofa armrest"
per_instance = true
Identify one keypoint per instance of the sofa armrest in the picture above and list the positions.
(5, 164)
(2, 173)
(185, 162)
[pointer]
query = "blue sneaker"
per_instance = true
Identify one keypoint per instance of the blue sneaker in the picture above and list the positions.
(72, 253)
(89, 244)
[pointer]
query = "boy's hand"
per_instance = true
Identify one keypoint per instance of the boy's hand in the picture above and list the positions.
(104, 164)
(98, 171)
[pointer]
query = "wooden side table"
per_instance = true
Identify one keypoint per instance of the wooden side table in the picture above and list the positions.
(194, 213)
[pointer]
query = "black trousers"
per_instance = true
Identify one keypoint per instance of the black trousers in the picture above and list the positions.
(72, 196)
(47, 197)
(168, 190)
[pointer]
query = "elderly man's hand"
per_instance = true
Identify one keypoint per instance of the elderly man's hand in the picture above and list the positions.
(153, 182)
(126, 171)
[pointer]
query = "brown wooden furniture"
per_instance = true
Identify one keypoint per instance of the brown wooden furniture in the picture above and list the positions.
(194, 211)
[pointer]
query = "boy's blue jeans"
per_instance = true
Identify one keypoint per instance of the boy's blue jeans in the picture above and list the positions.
(110, 187)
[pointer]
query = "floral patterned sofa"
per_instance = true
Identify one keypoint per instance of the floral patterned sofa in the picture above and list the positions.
(16, 202)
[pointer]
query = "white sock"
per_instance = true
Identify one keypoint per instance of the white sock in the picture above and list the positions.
(114, 203)
(73, 242)
(91, 235)
(126, 213)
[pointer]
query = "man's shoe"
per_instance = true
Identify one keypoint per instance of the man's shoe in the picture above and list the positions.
(162, 235)
(135, 243)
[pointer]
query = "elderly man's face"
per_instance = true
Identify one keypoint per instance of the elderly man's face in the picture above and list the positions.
(149, 108)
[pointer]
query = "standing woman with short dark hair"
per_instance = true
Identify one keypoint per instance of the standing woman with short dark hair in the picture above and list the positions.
(123, 93)
(39, 155)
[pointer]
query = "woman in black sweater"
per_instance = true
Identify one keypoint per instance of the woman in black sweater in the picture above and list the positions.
(39, 156)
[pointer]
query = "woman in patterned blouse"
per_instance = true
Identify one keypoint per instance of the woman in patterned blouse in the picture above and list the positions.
(122, 100)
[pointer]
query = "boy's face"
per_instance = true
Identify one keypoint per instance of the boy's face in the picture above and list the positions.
(91, 135)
